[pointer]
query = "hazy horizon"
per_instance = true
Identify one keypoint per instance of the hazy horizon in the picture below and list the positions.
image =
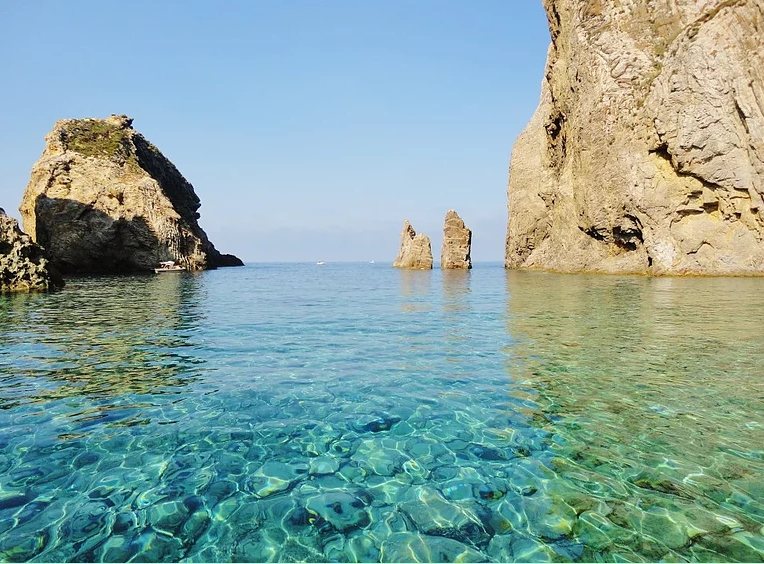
(309, 132)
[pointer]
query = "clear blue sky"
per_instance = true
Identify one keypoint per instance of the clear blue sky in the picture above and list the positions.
(309, 129)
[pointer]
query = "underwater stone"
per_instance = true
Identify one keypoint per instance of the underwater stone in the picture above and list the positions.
(412, 547)
(547, 518)
(375, 424)
(485, 453)
(124, 521)
(343, 510)
(323, 465)
(594, 530)
(519, 547)
(14, 500)
(195, 526)
(381, 459)
(168, 517)
(740, 547)
(659, 524)
(153, 546)
(22, 548)
(219, 490)
(273, 477)
(434, 515)
(360, 547)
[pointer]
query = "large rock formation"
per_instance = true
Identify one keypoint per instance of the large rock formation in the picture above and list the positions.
(457, 243)
(646, 153)
(416, 251)
(103, 199)
(22, 265)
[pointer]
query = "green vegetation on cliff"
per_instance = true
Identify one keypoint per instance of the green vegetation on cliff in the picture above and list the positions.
(98, 138)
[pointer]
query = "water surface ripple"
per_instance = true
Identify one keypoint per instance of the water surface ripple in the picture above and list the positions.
(357, 413)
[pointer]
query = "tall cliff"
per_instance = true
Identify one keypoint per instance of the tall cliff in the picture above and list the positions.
(646, 152)
(103, 199)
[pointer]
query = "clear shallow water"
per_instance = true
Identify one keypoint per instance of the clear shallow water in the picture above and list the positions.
(360, 413)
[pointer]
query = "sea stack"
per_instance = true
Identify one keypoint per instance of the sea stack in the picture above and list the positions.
(23, 267)
(457, 243)
(416, 251)
(102, 199)
(646, 152)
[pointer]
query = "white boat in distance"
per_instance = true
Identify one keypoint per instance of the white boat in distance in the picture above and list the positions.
(168, 266)
(320, 263)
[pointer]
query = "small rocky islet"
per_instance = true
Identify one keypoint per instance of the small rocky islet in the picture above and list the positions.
(416, 250)
(101, 200)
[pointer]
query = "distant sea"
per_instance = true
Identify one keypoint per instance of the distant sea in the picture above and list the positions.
(358, 413)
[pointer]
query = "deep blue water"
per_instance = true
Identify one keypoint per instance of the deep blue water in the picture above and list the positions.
(357, 413)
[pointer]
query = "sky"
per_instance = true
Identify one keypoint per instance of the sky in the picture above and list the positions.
(310, 129)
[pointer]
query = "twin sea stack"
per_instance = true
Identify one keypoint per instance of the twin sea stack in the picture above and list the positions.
(102, 199)
(416, 250)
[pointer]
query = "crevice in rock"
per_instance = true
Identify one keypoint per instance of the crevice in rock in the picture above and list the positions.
(629, 238)
(555, 130)
(710, 207)
(662, 152)
(594, 233)
(742, 117)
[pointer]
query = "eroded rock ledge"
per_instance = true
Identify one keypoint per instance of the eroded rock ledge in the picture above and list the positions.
(103, 199)
(23, 267)
(646, 153)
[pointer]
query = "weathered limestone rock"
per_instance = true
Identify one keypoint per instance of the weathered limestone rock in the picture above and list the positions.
(103, 199)
(457, 243)
(22, 265)
(646, 153)
(416, 251)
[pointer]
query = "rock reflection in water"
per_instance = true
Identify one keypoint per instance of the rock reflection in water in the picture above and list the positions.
(101, 337)
(415, 290)
(652, 388)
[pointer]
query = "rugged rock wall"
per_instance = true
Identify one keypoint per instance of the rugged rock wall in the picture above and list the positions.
(457, 243)
(646, 153)
(416, 250)
(103, 199)
(22, 265)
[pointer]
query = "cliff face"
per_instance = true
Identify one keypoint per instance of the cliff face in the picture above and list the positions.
(103, 199)
(22, 265)
(457, 243)
(415, 251)
(646, 153)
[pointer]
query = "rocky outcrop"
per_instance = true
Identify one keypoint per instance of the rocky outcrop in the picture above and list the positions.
(23, 267)
(457, 243)
(416, 251)
(103, 199)
(646, 153)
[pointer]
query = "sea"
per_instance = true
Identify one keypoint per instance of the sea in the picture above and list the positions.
(353, 412)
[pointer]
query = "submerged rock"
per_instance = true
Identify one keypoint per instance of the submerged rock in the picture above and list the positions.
(103, 199)
(412, 547)
(646, 152)
(23, 267)
(416, 250)
(457, 243)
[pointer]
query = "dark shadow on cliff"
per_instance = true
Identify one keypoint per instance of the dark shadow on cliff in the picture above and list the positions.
(180, 192)
(80, 239)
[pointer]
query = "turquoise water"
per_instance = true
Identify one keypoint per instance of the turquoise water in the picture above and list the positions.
(356, 413)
